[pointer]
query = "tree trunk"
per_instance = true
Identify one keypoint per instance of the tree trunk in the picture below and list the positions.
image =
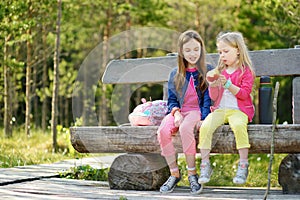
(60, 115)
(103, 111)
(138, 172)
(66, 115)
(289, 174)
(36, 112)
(45, 82)
(128, 26)
(28, 86)
(7, 92)
(56, 79)
(143, 139)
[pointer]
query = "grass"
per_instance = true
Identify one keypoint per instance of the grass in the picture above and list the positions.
(86, 172)
(37, 149)
(225, 166)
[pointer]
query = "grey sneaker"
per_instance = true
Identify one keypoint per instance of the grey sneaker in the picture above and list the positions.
(241, 174)
(169, 185)
(206, 172)
(196, 188)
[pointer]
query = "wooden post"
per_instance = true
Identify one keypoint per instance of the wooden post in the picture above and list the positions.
(288, 175)
(296, 102)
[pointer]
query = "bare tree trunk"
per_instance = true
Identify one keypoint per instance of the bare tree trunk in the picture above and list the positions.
(126, 93)
(128, 26)
(36, 113)
(60, 115)
(103, 111)
(28, 87)
(45, 82)
(7, 92)
(66, 115)
(56, 78)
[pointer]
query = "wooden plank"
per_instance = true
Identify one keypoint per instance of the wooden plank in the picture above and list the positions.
(56, 188)
(296, 100)
(122, 139)
(35, 172)
(272, 62)
(139, 70)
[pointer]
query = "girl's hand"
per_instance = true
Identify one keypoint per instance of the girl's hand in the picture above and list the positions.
(198, 125)
(215, 83)
(196, 131)
(177, 118)
(219, 82)
(222, 80)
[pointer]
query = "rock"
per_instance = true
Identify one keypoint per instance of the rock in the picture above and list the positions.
(289, 174)
(138, 172)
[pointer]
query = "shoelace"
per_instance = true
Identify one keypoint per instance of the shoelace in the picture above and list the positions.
(193, 181)
(241, 172)
(204, 170)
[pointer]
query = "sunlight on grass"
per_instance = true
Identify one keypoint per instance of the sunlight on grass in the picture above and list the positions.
(37, 149)
(225, 166)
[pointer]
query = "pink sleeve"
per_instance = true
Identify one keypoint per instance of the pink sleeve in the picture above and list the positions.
(246, 84)
(213, 92)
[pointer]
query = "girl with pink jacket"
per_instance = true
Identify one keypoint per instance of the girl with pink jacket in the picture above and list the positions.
(230, 87)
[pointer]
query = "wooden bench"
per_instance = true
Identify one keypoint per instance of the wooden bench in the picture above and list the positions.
(142, 141)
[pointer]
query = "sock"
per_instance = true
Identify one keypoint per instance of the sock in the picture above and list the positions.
(191, 171)
(175, 172)
(244, 161)
(205, 162)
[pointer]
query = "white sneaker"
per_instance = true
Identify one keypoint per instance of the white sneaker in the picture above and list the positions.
(241, 174)
(206, 172)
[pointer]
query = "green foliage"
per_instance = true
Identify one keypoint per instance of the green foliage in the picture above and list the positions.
(86, 24)
(86, 172)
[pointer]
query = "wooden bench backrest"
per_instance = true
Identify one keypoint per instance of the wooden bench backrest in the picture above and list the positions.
(273, 62)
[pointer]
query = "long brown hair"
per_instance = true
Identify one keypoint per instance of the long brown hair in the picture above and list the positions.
(183, 64)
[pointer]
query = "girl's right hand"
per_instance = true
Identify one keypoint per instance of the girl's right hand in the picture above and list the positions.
(177, 118)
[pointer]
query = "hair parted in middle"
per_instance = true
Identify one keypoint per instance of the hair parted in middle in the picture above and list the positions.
(183, 64)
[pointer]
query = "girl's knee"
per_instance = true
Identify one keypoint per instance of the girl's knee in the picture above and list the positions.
(163, 134)
(204, 128)
(238, 125)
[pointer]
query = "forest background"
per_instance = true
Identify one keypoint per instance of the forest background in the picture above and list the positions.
(44, 43)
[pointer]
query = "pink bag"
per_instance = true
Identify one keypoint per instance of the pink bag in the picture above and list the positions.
(149, 113)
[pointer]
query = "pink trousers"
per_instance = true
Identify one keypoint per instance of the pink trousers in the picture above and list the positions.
(186, 129)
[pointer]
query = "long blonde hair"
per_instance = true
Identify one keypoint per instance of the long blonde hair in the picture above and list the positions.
(183, 64)
(236, 40)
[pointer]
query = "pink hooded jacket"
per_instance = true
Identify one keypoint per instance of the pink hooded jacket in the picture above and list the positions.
(242, 80)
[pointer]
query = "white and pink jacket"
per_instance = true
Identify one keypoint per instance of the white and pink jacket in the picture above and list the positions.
(242, 80)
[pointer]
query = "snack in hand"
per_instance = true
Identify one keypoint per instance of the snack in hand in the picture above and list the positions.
(212, 75)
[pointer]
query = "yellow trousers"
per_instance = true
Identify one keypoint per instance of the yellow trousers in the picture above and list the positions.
(237, 120)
